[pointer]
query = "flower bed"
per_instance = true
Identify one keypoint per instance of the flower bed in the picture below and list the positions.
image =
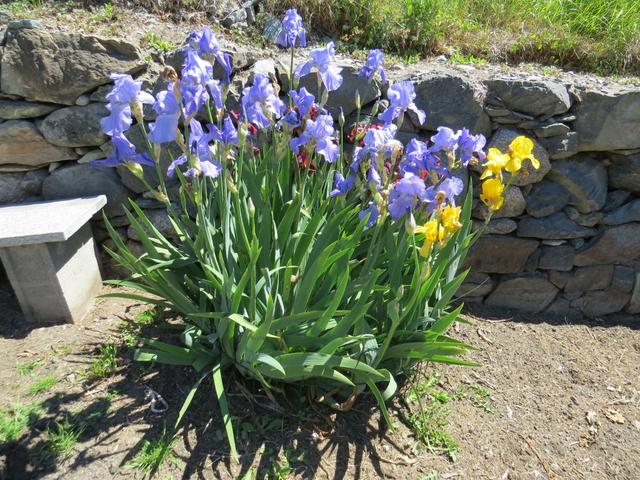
(295, 262)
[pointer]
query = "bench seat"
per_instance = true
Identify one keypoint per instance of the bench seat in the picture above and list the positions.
(49, 255)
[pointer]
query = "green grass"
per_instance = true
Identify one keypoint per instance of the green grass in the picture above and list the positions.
(28, 368)
(159, 43)
(42, 384)
(131, 330)
(106, 362)
(598, 35)
(106, 13)
(14, 421)
(153, 454)
(60, 440)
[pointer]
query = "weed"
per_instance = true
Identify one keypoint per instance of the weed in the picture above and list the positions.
(279, 471)
(154, 453)
(60, 440)
(15, 420)
(42, 384)
(427, 422)
(430, 475)
(480, 397)
(104, 14)
(106, 363)
(27, 368)
(159, 43)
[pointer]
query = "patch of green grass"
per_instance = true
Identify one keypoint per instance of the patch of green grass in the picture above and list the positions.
(154, 453)
(131, 330)
(596, 35)
(106, 363)
(467, 59)
(430, 475)
(42, 384)
(60, 440)
(106, 13)
(14, 421)
(159, 43)
(427, 418)
(28, 368)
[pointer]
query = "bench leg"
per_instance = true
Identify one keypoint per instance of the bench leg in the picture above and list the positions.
(54, 282)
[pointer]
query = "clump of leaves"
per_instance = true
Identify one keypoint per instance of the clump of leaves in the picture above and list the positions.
(60, 440)
(159, 43)
(154, 453)
(28, 368)
(106, 363)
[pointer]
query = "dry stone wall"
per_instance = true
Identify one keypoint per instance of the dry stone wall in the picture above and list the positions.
(567, 239)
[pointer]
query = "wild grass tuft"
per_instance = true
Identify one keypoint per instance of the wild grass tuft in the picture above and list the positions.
(154, 453)
(105, 364)
(42, 384)
(15, 420)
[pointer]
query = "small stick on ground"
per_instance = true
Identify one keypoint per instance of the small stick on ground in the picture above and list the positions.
(483, 336)
(550, 473)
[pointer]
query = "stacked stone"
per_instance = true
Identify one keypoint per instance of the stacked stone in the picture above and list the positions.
(567, 239)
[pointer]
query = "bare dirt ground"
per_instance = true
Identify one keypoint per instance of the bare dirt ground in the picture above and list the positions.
(554, 399)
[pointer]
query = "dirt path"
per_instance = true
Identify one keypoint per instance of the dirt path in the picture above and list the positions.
(554, 399)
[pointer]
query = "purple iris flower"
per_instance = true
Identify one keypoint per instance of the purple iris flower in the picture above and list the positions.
(228, 135)
(164, 129)
(376, 140)
(405, 195)
(414, 160)
(292, 29)
(181, 160)
(199, 146)
(372, 211)
(445, 140)
(126, 91)
(322, 59)
(123, 152)
(373, 64)
(303, 100)
(260, 103)
(445, 191)
(196, 76)
(373, 177)
(320, 135)
(204, 42)
(401, 98)
(208, 169)
(469, 144)
(291, 120)
(215, 90)
(341, 185)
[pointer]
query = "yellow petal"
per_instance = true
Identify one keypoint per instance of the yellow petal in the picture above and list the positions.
(534, 162)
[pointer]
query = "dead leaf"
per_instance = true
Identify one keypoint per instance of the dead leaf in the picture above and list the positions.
(614, 416)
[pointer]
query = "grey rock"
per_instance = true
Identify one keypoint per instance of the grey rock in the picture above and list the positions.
(617, 244)
(552, 130)
(602, 302)
(476, 285)
(22, 145)
(18, 109)
(272, 28)
(84, 181)
(534, 97)
(242, 57)
(437, 91)
(499, 226)
(499, 254)
(100, 94)
(24, 23)
(558, 278)
(120, 221)
(91, 156)
(32, 182)
(634, 302)
(555, 226)
(624, 172)
(527, 175)
(562, 146)
(513, 206)
(628, 213)
(584, 219)
(530, 292)
(59, 67)
(11, 190)
(75, 126)
(532, 261)
(557, 258)
(585, 179)
(623, 278)
(345, 96)
(608, 120)
(83, 100)
(158, 219)
(561, 306)
(615, 199)
(497, 111)
(547, 197)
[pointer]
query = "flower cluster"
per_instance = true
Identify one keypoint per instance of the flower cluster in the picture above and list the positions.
(386, 178)
(493, 187)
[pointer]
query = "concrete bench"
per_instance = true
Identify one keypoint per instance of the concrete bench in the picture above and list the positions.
(49, 255)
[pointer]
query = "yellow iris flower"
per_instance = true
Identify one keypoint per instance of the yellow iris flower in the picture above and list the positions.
(451, 219)
(496, 161)
(520, 149)
(433, 231)
(491, 195)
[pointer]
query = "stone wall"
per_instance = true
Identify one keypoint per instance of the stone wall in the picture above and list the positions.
(567, 239)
